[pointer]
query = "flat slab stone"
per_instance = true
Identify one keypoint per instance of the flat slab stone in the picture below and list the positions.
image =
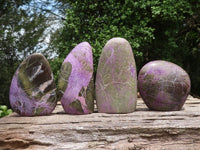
(142, 129)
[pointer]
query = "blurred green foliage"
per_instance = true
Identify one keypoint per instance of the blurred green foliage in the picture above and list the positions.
(4, 111)
(55, 67)
(158, 29)
(24, 26)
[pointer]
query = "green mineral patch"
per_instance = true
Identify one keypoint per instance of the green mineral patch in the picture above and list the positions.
(52, 99)
(23, 79)
(77, 105)
(144, 86)
(90, 95)
(59, 94)
(82, 92)
(107, 78)
(121, 98)
(38, 111)
(149, 77)
(180, 91)
(86, 66)
(151, 98)
(29, 70)
(151, 88)
(107, 54)
(64, 75)
(168, 87)
(118, 69)
(132, 83)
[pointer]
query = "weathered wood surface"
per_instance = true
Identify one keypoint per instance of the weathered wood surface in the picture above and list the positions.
(140, 130)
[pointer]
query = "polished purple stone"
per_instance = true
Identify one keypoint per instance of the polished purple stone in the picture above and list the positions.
(163, 85)
(33, 91)
(75, 83)
(116, 79)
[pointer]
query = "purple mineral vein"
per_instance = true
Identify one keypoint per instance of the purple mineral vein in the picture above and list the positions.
(79, 77)
(162, 87)
(116, 86)
(28, 105)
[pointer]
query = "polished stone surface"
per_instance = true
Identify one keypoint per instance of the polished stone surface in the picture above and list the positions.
(33, 90)
(163, 85)
(116, 79)
(75, 83)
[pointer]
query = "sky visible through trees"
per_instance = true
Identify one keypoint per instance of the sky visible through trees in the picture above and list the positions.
(54, 18)
(26, 27)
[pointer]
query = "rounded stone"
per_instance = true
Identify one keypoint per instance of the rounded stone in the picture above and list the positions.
(75, 82)
(163, 86)
(116, 79)
(33, 90)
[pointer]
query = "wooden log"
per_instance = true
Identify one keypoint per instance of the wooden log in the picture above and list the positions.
(140, 130)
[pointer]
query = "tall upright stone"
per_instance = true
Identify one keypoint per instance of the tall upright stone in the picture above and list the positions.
(75, 83)
(33, 90)
(116, 79)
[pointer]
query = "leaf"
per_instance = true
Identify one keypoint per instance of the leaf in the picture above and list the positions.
(3, 108)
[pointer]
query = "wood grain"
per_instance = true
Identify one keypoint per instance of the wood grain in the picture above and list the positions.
(140, 130)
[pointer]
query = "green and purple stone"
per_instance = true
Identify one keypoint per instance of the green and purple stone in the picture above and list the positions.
(75, 82)
(116, 79)
(164, 86)
(33, 90)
